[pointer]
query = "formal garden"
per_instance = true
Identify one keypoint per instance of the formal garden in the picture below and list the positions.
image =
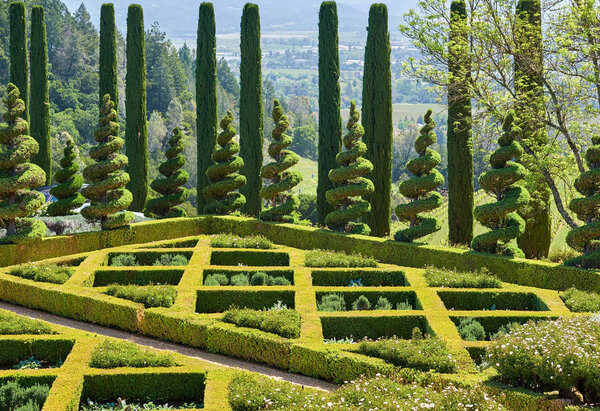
(485, 322)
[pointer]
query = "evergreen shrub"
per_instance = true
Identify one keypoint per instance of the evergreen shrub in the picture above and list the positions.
(14, 396)
(470, 329)
(49, 273)
(149, 295)
(234, 241)
(325, 258)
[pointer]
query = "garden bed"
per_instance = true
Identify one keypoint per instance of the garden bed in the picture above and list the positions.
(491, 300)
(144, 276)
(34, 353)
(146, 258)
(254, 258)
(229, 273)
(368, 278)
(218, 301)
(359, 327)
(395, 298)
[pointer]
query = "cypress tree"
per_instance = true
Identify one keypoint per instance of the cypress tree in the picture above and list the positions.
(459, 142)
(206, 98)
(377, 119)
(330, 121)
(40, 99)
(251, 110)
(136, 134)
(70, 182)
(529, 88)
(19, 64)
(108, 55)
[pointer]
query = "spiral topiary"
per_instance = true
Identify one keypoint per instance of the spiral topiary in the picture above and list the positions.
(420, 188)
(173, 194)
(67, 192)
(501, 217)
(224, 175)
(349, 181)
(18, 176)
(282, 204)
(586, 239)
(106, 176)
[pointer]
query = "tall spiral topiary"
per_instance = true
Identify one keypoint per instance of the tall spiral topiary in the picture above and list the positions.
(224, 175)
(67, 192)
(501, 217)
(282, 204)
(170, 187)
(106, 177)
(349, 181)
(420, 188)
(17, 175)
(586, 239)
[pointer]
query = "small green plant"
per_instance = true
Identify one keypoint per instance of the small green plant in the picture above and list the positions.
(30, 363)
(11, 324)
(362, 303)
(383, 304)
(123, 260)
(234, 241)
(332, 302)
(325, 258)
(416, 334)
(504, 330)
(114, 354)
(214, 280)
(471, 329)
(149, 295)
(278, 320)
(581, 301)
(259, 279)
(278, 306)
(13, 396)
(404, 305)
(344, 340)
(240, 280)
(441, 277)
(280, 281)
(48, 273)
(171, 260)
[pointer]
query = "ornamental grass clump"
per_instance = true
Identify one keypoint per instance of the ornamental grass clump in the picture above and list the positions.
(11, 324)
(279, 320)
(149, 295)
(234, 241)
(441, 277)
(49, 273)
(325, 258)
(581, 301)
(115, 354)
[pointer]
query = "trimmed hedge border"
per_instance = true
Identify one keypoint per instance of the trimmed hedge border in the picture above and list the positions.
(491, 324)
(373, 327)
(127, 275)
(218, 301)
(287, 274)
(147, 258)
(13, 350)
(250, 258)
(394, 297)
(485, 300)
(336, 277)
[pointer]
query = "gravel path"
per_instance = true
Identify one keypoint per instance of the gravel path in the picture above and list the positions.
(217, 359)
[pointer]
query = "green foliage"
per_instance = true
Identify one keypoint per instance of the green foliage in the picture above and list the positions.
(350, 184)
(221, 195)
(19, 63)
(283, 322)
(581, 301)
(67, 192)
(136, 133)
(234, 241)
(124, 260)
(325, 258)
(251, 111)
(332, 302)
(30, 363)
(131, 260)
(470, 329)
(250, 258)
(402, 305)
(106, 178)
(122, 405)
(358, 278)
(108, 83)
(170, 186)
(383, 304)
(281, 281)
(171, 260)
(306, 142)
(11, 324)
(377, 118)
(115, 354)
(48, 273)
(259, 279)
(240, 280)
(17, 175)
(149, 295)
(419, 189)
(501, 217)
(214, 280)
(441, 277)
(14, 396)
(361, 303)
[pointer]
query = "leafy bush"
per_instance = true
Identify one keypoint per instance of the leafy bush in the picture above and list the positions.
(121, 404)
(404, 305)
(171, 259)
(11, 324)
(332, 302)
(280, 281)
(441, 277)
(30, 363)
(48, 273)
(362, 303)
(259, 279)
(581, 301)
(281, 321)
(114, 354)
(553, 355)
(15, 397)
(471, 329)
(149, 295)
(234, 241)
(214, 280)
(123, 260)
(324, 258)
(421, 353)
(383, 304)
(240, 280)
(504, 330)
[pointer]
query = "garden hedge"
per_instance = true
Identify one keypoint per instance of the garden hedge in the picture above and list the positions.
(144, 276)
(369, 278)
(491, 300)
(372, 327)
(218, 301)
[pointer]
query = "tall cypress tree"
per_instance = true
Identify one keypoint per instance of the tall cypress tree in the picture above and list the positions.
(377, 118)
(251, 111)
(19, 65)
(108, 55)
(136, 134)
(206, 98)
(459, 143)
(40, 99)
(330, 120)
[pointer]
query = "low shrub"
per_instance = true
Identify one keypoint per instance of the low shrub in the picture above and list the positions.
(11, 324)
(337, 302)
(562, 354)
(149, 295)
(324, 258)
(581, 301)
(123, 405)
(471, 329)
(259, 279)
(123, 260)
(115, 354)
(171, 259)
(280, 281)
(214, 280)
(240, 280)
(48, 273)
(13, 396)
(362, 303)
(404, 305)
(234, 241)
(441, 277)
(383, 304)
(131, 260)
(332, 302)
(504, 330)
(280, 320)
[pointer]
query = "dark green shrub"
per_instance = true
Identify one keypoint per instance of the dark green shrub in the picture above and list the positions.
(171, 259)
(441, 277)
(580, 301)
(280, 281)
(149, 295)
(332, 302)
(18, 325)
(13, 396)
(404, 305)
(361, 303)
(383, 304)
(324, 258)
(259, 279)
(114, 354)
(50, 273)
(240, 280)
(471, 329)
(67, 192)
(281, 321)
(123, 260)
(234, 241)
(214, 280)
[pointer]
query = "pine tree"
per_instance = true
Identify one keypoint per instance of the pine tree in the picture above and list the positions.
(19, 64)
(459, 143)
(17, 176)
(224, 176)
(419, 189)
(349, 182)
(136, 133)
(501, 217)
(108, 83)
(206, 98)
(40, 99)
(281, 202)
(70, 182)
(377, 119)
(106, 178)
(330, 120)
(171, 187)
(251, 114)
